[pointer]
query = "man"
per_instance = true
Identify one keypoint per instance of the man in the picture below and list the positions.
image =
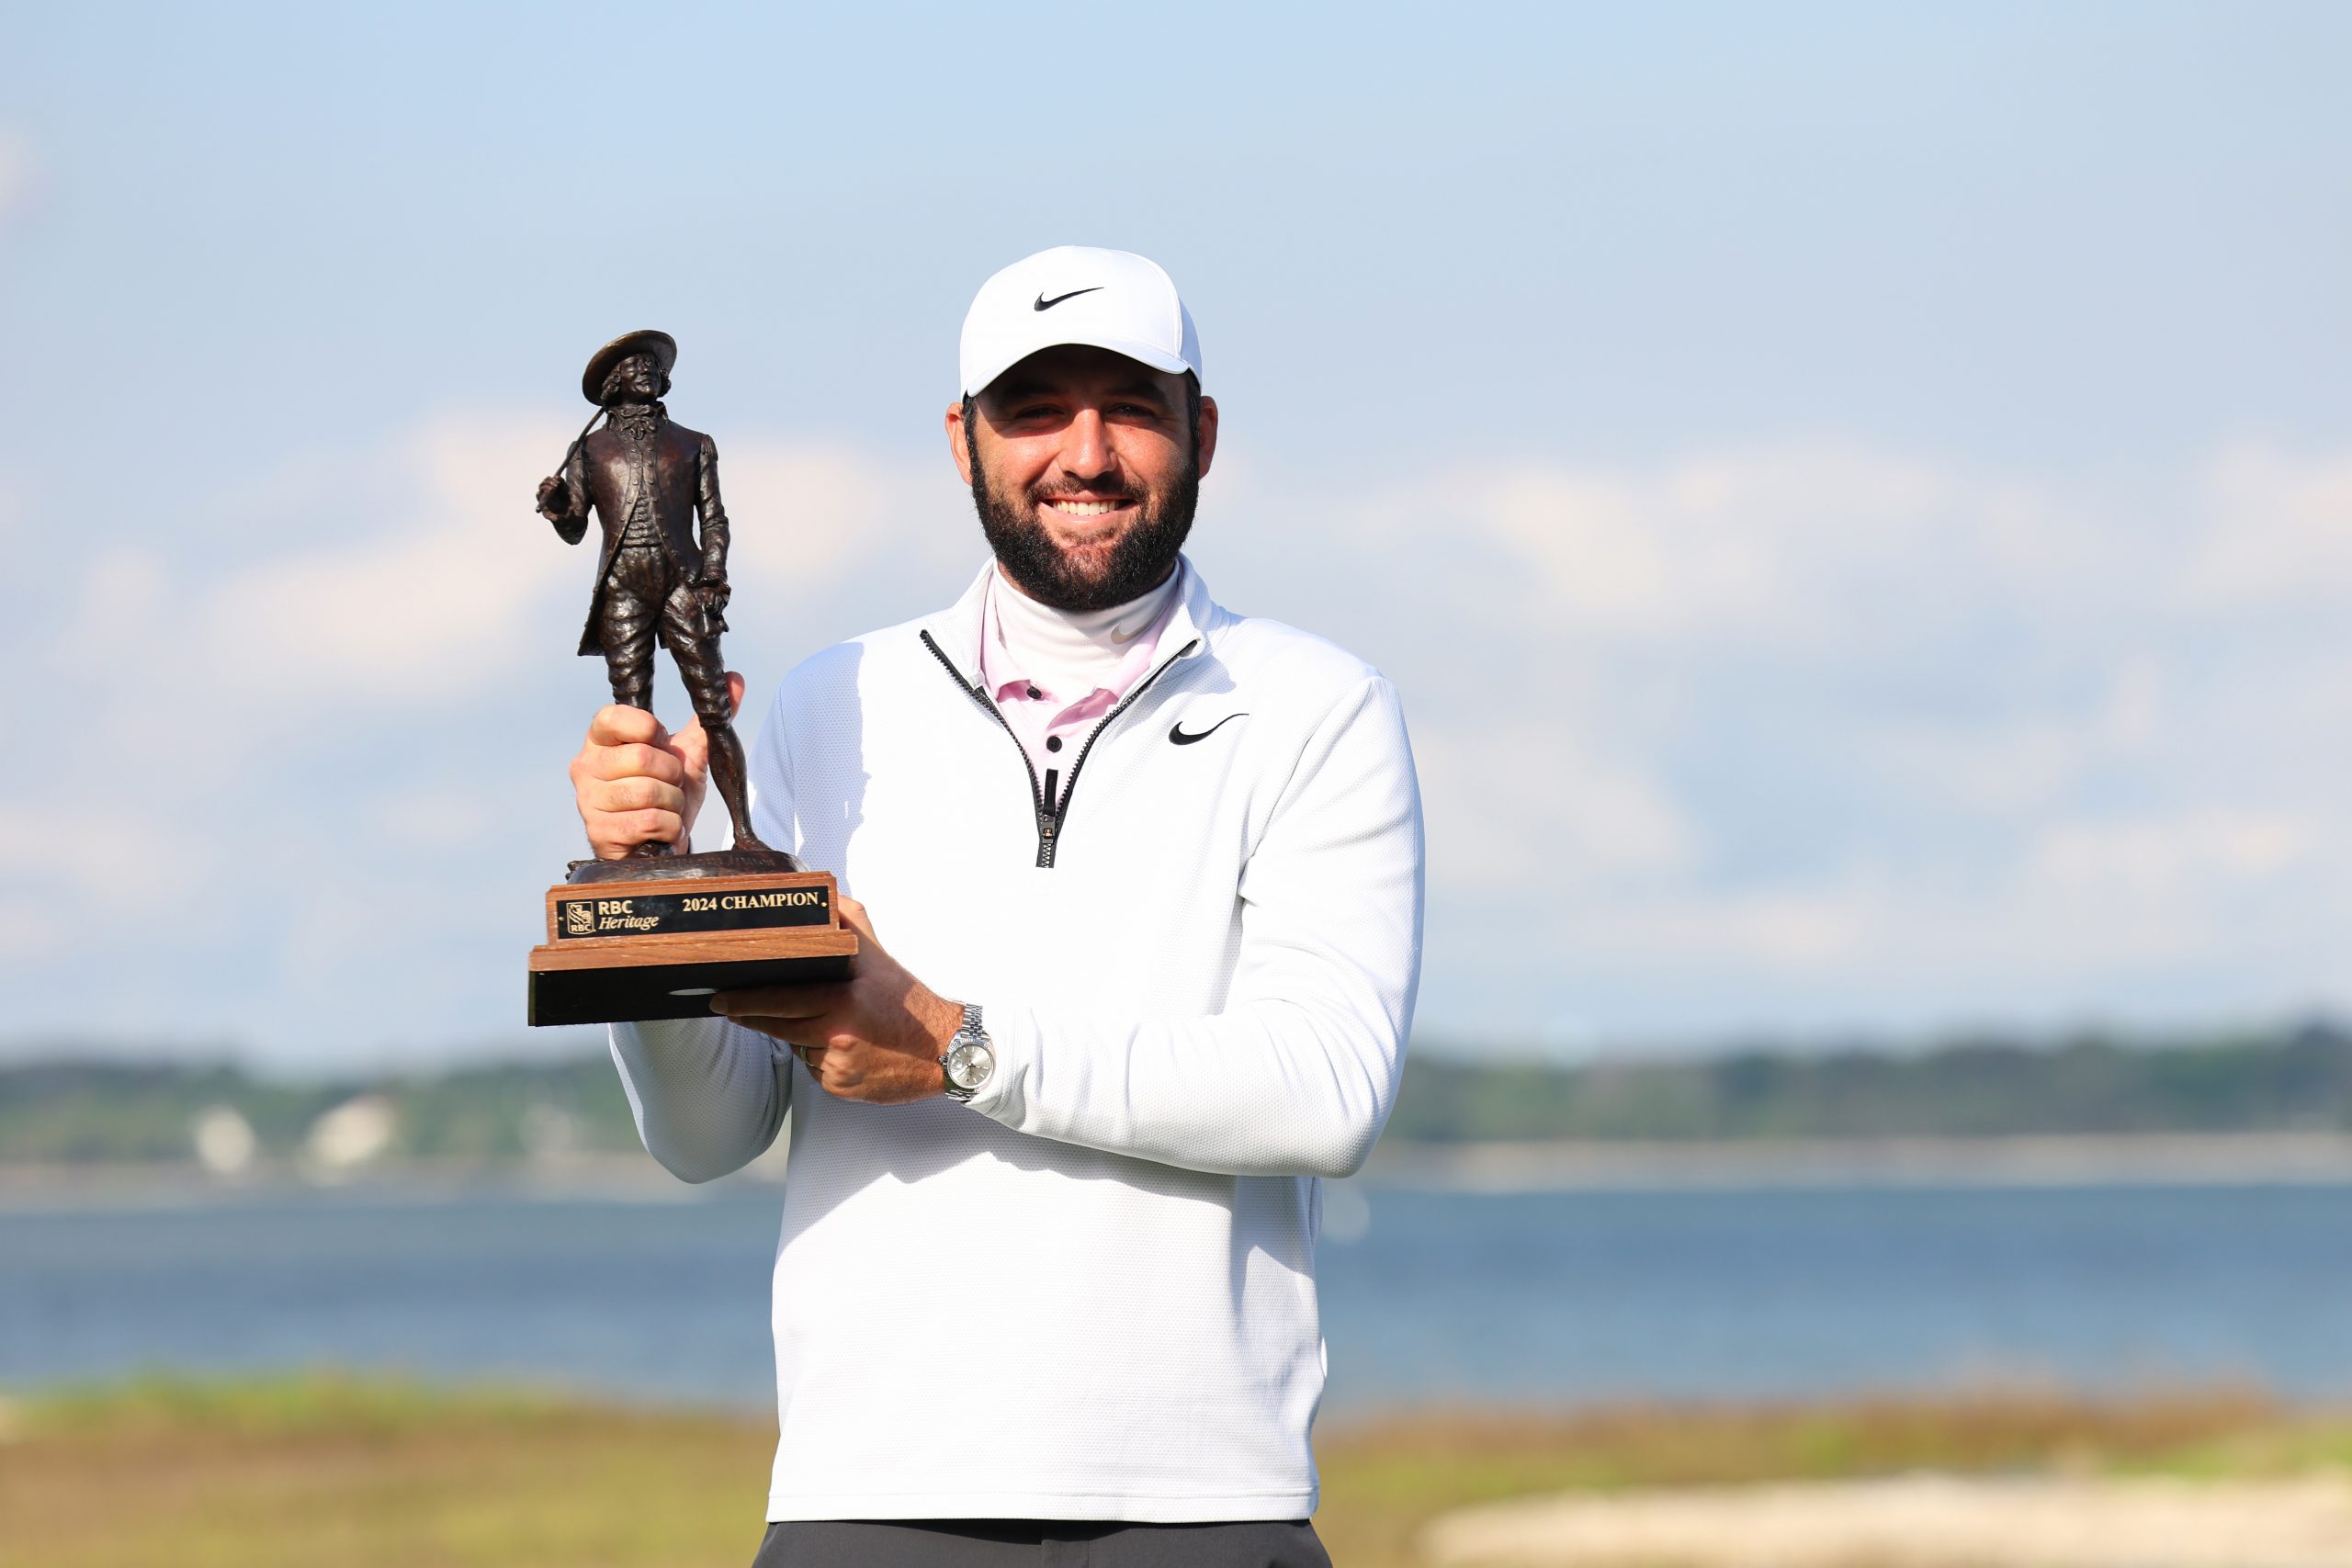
(1151, 874)
(647, 478)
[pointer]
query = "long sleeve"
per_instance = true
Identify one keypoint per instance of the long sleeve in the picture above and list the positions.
(708, 1095)
(572, 521)
(1297, 1074)
(714, 510)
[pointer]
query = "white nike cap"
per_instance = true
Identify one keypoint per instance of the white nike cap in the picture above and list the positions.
(1113, 300)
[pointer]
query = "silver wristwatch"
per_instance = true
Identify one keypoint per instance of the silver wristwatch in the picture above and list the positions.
(969, 1058)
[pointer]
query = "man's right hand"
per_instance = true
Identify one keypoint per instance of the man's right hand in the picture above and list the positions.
(554, 502)
(635, 783)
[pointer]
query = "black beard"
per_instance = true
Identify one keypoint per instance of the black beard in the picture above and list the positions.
(1139, 562)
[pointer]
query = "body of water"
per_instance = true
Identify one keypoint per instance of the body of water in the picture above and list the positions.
(1434, 1297)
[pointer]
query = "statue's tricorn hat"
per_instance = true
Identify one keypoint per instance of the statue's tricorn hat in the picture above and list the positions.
(661, 346)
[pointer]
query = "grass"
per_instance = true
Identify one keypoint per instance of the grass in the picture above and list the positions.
(373, 1475)
(275, 1472)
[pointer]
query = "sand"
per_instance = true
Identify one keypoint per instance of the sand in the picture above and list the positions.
(1925, 1521)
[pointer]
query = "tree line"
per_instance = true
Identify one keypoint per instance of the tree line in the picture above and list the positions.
(63, 1108)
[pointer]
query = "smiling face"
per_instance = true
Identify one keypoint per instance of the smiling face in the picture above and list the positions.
(1085, 467)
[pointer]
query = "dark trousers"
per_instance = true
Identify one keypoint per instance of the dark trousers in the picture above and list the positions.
(1038, 1543)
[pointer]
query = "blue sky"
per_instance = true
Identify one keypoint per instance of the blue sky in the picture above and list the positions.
(1857, 499)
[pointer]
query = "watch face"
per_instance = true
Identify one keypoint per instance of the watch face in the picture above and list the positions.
(969, 1064)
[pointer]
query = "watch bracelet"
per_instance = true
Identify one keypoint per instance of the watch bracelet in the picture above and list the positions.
(969, 1032)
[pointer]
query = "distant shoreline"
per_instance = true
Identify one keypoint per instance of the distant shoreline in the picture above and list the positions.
(2040, 1160)
(161, 1185)
(2232, 1159)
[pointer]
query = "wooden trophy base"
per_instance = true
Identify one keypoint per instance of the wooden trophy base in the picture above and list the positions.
(658, 943)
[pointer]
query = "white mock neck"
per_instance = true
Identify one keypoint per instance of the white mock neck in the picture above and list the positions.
(1073, 651)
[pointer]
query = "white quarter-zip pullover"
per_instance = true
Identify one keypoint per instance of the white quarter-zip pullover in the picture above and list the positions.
(1089, 1292)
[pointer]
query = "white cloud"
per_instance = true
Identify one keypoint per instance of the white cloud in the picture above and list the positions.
(318, 750)
(397, 610)
(2017, 763)
(464, 589)
(1520, 798)
(1783, 930)
(808, 516)
(2140, 859)
(2098, 912)
(406, 613)
(122, 866)
(1865, 726)
(1720, 544)
(1754, 735)
(2278, 531)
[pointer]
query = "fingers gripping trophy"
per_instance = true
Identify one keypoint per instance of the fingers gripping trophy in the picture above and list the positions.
(675, 928)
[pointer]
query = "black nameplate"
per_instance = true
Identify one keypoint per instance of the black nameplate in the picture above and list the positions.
(621, 913)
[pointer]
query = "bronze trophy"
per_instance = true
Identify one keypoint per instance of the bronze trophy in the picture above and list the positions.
(656, 933)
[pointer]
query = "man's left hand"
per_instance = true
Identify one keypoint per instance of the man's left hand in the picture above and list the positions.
(877, 1036)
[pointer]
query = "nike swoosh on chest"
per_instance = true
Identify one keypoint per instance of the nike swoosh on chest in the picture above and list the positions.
(1176, 733)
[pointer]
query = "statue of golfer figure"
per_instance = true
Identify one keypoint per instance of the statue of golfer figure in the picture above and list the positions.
(646, 477)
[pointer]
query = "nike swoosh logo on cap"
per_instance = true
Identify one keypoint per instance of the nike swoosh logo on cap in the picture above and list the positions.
(1045, 304)
(1176, 730)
